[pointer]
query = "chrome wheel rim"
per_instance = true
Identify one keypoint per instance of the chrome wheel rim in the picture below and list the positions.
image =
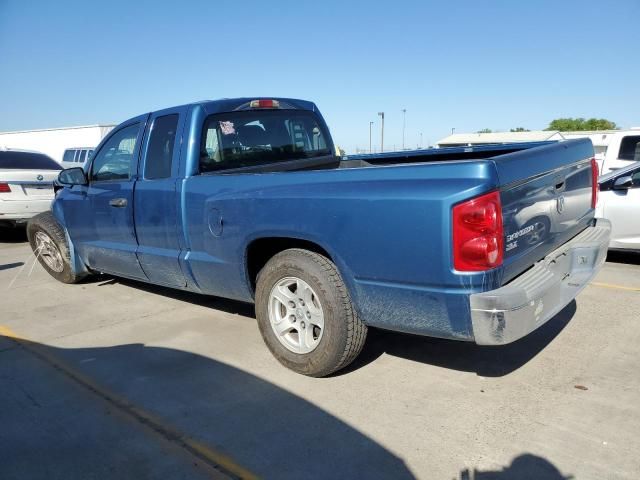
(48, 251)
(296, 315)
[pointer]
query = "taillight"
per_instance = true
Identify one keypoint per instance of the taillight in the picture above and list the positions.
(264, 104)
(5, 188)
(594, 183)
(478, 233)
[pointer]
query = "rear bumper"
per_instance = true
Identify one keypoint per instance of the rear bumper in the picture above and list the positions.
(508, 313)
(22, 210)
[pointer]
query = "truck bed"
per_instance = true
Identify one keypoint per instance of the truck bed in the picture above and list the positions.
(533, 226)
(476, 152)
(436, 154)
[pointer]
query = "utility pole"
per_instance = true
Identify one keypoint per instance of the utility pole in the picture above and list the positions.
(370, 125)
(382, 133)
(404, 116)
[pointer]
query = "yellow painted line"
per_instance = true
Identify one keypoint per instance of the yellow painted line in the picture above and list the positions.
(221, 459)
(222, 463)
(617, 287)
(7, 332)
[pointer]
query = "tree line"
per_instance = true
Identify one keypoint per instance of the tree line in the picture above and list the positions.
(569, 125)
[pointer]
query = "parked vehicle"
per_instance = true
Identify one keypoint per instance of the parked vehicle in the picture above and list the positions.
(55, 141)
(620, 203)
(76, 157)
(26, 185)
(246, 199)
(614, 149)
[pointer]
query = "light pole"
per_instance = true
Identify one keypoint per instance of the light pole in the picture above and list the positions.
(370, 125)
(453, 130)
(420, 139)
(404, 116)
(382, 133)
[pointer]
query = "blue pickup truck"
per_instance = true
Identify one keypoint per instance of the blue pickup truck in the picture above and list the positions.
(247, 199)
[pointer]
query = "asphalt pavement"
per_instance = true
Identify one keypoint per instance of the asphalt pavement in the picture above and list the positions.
(118, 379)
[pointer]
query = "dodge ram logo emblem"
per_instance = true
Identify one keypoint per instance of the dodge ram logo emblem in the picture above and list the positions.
(40, 178)
(560, 204)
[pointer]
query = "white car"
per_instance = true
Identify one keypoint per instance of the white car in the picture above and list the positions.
(26, 184)
(620, 203)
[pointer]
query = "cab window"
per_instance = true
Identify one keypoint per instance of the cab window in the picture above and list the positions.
(630, 148)
(115, 159)
(160, 150)
(259, 137)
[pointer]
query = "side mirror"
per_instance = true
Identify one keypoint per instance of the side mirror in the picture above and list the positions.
(72, 176)
(623, 183)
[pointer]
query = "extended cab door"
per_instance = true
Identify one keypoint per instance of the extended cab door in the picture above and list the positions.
(108, 240)
(156, 201)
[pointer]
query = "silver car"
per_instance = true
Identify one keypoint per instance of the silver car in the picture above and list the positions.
(619, 202)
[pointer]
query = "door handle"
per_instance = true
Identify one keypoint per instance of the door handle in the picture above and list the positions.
(118, 202)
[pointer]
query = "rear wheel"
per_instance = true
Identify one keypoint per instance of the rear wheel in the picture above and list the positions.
(305, 313)
(49, 245)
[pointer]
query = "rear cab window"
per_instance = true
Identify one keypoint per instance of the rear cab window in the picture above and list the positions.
(251, 138)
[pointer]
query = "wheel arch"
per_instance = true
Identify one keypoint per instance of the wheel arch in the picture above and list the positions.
(260, 250)
(77, 264)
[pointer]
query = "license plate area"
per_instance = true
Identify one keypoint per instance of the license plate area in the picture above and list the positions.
(38, 189)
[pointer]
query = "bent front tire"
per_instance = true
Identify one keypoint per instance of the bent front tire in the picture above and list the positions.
(49, 245)
(305, 314)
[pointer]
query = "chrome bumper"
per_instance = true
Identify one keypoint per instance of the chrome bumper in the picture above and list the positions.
(508, 313)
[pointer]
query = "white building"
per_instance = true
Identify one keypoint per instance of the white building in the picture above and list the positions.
(54, 141)
(468, 139)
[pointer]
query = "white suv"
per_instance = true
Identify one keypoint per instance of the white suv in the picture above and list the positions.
(26, 184)
(76, 157)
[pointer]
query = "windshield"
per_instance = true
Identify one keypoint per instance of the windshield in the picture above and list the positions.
(27, 161)
(259, 137)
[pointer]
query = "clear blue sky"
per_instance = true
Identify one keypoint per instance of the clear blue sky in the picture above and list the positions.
(464, 64)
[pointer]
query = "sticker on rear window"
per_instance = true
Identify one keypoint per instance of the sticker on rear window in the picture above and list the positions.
(227, 128)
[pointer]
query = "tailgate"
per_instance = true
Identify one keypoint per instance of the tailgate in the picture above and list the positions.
(546, 200)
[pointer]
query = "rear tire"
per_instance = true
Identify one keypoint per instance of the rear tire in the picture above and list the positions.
(49, 244)
(283, 283)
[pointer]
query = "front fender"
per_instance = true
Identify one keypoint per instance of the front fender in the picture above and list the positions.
(78, 266)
